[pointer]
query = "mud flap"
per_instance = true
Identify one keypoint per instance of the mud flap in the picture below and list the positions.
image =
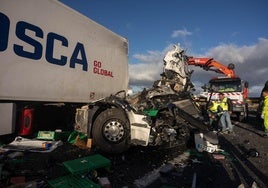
(81, 120)
(140, 129)
(140, 134)
(8, 118)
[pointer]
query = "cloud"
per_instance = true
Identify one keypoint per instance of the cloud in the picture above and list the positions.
(250, 64)
(180, 33)
(148, 70)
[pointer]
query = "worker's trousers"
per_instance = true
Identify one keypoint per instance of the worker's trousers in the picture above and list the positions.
(226, 122)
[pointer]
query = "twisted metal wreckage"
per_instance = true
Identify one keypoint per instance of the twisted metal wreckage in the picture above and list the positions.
(160, 116)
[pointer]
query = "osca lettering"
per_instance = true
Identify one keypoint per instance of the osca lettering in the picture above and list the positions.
(97, 69)
(40, 43)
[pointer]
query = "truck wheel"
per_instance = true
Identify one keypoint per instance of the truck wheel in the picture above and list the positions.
(111, 131)
(242, 118)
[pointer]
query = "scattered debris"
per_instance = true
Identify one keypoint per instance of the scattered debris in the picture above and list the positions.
(32, 145)
(104, 182)
(252, 152)
(186, 169)
(218, 156)
(15, 154)
(206, 142)
(196, 161)
(254, 185)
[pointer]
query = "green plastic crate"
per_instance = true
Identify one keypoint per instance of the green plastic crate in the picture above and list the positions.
(72, 181)
(46, 135)
(151, 112)
(87, 164)
(53, 135)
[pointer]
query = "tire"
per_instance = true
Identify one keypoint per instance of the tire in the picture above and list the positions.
(242, 118)
(111, 131)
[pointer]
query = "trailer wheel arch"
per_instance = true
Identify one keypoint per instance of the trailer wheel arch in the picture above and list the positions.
(111, 131)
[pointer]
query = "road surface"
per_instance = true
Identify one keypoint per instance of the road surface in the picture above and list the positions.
(242, 162)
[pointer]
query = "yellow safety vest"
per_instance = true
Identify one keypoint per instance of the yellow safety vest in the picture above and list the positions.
(224, 104)
(265, 106)
(214, 107)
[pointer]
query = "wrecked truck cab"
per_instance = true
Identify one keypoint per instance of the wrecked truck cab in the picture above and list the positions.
(113, 124)
(118, 121)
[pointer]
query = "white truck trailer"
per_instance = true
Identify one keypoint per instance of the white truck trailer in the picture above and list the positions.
(54, 57)
(58, 64)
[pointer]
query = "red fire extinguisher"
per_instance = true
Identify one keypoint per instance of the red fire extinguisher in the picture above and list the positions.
(26, 122)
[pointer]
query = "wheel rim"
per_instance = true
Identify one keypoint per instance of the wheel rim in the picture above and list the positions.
(113, 131)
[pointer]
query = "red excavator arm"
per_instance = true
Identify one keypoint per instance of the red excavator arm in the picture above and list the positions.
(212, 65)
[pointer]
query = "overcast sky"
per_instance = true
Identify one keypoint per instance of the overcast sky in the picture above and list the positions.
(230, 31)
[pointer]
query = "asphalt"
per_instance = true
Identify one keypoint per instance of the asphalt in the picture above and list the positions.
(242, 162)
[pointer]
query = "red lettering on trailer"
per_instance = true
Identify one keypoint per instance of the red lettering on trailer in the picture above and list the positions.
(98, 70)
(97, 64)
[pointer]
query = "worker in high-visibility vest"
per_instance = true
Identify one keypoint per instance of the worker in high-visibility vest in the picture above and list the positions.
(260, 107)
(213, 115)
(264, 113)
(226, 107)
